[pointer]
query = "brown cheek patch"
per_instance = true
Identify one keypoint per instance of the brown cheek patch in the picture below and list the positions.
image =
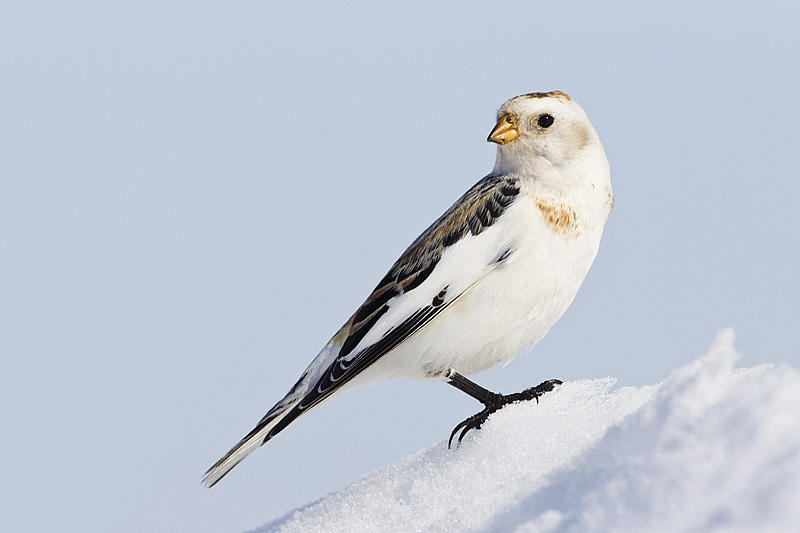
(581, 136)
(561, 219)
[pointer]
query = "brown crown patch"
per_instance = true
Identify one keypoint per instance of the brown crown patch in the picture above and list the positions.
(560, 218)
(554, 94)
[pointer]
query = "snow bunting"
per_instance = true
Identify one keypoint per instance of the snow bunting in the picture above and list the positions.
(488, 278)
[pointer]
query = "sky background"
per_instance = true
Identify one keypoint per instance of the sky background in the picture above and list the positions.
(194, 196)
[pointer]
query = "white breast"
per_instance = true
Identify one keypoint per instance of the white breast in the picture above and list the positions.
(517, 302)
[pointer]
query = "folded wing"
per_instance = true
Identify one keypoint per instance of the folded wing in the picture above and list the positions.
(373, 331)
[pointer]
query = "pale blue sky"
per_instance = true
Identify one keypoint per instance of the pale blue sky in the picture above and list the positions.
(196, 195)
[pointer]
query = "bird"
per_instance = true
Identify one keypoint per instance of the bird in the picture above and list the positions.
(487, 279)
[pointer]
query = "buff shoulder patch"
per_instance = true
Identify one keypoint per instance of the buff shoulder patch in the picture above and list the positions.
(561, 218)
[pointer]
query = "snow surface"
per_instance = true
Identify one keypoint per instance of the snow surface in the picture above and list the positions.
(711, 448)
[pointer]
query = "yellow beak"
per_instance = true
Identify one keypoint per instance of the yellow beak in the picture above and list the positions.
(504, 132)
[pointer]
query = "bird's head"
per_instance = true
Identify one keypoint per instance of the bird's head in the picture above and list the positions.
(542, 128)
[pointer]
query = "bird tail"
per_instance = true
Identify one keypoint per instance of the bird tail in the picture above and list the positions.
(267, 428)
(280, 416)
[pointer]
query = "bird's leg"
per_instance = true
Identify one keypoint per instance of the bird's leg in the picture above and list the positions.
(491, 400)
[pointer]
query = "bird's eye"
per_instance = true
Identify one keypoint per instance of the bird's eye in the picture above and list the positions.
(545, 120)
(509, 119)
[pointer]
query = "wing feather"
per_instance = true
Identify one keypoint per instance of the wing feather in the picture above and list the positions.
(475, 211)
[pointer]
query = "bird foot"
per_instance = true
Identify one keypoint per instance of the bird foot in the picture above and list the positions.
(497, 402)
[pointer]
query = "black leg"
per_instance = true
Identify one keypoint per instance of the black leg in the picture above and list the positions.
(491, 400)
(458, 381)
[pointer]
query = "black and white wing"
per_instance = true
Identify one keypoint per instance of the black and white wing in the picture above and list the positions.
(400, 305)
(475, 211)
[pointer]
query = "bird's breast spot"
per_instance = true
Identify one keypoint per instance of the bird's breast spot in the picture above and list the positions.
(610, 200)
(560, 218)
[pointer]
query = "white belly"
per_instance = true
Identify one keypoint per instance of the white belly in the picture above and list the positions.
(513, 306)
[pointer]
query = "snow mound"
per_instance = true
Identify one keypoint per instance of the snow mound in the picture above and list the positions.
(711, 448)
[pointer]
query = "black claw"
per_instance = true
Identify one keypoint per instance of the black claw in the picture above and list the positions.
(473, 422)
(464, 432)
(498, 402)
(455, 430)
